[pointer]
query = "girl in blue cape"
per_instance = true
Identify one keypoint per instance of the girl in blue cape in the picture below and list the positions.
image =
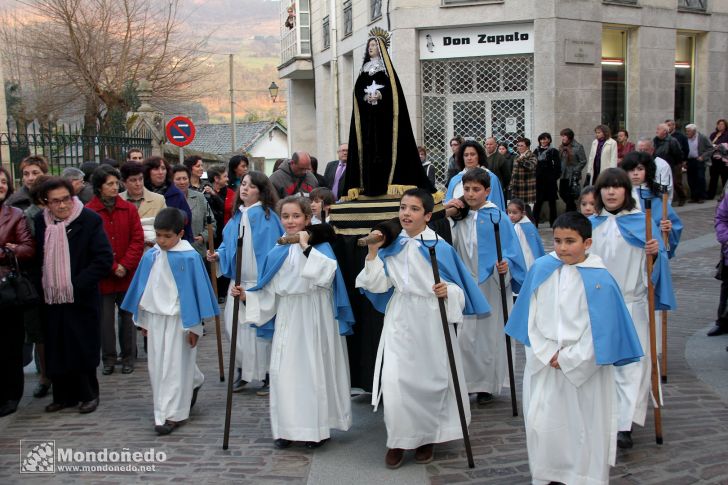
(473, 157)
(480, 337)
(526, 231)
(572, 319)
(169, 297)
(302, 287)
(642, 173)
(253, 209)
(619, 238)
(412, 373)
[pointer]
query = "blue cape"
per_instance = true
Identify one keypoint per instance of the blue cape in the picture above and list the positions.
(341, 307)
(533, 238)
(496, 190)
(265, 233)
(632, 228)
(196, 298)
(487, 254)
(677, 225)
(615, 338)
(452, 269)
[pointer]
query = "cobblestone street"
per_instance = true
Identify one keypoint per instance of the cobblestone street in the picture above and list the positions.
(695, 417)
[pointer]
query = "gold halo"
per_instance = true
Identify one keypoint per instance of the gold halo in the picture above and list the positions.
(382, 34)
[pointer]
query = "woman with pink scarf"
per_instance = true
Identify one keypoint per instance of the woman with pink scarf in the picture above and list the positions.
(76, 256)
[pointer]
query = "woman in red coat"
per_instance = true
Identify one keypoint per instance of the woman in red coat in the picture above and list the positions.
(14, 235)
(124, 231)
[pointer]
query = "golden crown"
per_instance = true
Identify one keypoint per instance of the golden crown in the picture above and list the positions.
(380, 33)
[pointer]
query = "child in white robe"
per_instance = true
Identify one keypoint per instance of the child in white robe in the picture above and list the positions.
(528, 236)
(169, 297)
(412, 362)
(572, 318)
(480, 338)
(619, 238)
(253, 216)
(321, 200)
(309, 369)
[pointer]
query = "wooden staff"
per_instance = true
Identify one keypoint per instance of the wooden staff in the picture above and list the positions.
(666, 240)
(651, 309)
(233, 339)
(504, 304)
(450, 355)
(213, 279)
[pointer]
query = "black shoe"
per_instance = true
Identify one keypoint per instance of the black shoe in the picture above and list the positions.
(624, 440)
(127, 369)
(41, 390)
(88, 406)
(57, 406)
(194, 396)
(717, 330)
(280, 443)
(239, 385)
(166, 428)
(107, 370)
(485, 398)
(312, 445)
(8, 408)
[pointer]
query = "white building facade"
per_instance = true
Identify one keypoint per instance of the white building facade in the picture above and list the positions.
(509, 68)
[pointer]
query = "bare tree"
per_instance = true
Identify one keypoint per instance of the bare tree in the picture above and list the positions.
(95, 49)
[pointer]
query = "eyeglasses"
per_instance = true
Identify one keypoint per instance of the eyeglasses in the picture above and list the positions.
(57, 202)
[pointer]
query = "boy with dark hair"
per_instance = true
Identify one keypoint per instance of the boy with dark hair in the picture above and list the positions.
(480, 337)
(169, 297)
(572, 319)
(322, 198)
(412, 373)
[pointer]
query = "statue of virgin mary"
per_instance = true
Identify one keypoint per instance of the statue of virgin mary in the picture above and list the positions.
(382, 149)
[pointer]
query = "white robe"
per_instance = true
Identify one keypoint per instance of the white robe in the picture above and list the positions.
(481, 338)
(523, 241)
(309, 368)
(628, 265)
(412, 363)
(252, 353)
(570, 413)
(173, 371)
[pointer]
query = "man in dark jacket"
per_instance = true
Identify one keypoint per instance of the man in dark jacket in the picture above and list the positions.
(294, 177)
(497, 162)
(668, 148)
(335, 171)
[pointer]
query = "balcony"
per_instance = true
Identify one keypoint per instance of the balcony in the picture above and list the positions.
(295, 23)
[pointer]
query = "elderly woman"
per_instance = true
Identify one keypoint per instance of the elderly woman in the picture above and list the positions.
(124, 230)
(76, 257)
(15, 236)
(198, 205)
(158, 179)
(523, 177)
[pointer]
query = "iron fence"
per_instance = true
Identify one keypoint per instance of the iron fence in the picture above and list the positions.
(67, 145)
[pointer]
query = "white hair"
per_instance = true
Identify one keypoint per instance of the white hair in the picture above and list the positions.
(691, 126)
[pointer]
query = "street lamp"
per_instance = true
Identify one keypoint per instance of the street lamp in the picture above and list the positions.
(273, 90)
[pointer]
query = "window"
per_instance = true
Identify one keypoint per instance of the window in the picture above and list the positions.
(326, 31)
(348, 21)
(699, 5)
(375, 9)
(614, 78)
(684, 78)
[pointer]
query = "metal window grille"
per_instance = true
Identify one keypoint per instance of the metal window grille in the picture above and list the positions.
(475, 98)
(326, 33)
(700, 5)
(375, 7)
(348, 20)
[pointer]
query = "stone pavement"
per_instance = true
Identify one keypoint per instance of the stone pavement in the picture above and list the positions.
(695, 417)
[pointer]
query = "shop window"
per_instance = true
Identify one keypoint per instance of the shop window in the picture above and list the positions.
(614, 78)
(684, 78)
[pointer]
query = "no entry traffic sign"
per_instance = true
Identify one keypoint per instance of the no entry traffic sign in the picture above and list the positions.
(180, 131)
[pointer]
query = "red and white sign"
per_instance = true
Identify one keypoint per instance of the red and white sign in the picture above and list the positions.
(180, 131)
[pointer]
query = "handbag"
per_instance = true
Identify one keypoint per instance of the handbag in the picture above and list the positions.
(575, 185)
(15, 288)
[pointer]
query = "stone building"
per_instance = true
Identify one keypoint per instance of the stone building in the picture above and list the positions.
(509, 67)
